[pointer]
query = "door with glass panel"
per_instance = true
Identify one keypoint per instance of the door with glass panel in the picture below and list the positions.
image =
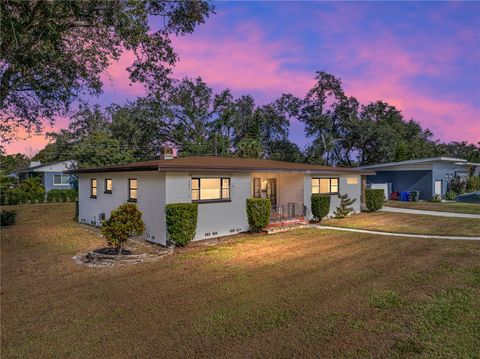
(272, 190)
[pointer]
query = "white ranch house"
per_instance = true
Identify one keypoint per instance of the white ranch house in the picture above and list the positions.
(219, 185)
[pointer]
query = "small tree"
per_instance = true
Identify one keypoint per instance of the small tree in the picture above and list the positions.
(344, 210)
(124, 221)
(320, 206)
(473, 183)
(457, 185)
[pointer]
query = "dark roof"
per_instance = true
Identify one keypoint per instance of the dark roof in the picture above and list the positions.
(213, 164)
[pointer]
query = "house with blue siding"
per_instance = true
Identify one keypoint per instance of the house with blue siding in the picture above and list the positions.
(430, 176)
(50, 174)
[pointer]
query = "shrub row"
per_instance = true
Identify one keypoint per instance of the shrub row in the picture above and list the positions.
(374, 199)
(61, 195)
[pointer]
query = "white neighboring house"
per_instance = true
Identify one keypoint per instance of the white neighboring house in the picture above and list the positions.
(220, 186)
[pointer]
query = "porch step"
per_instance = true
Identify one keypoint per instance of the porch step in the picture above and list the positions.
(286, 225)
(280, 229)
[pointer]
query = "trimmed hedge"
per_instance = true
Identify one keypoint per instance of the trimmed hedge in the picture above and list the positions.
(181, 222)
(320, 206)
(374, 199)
(258, 213)
(61, 195)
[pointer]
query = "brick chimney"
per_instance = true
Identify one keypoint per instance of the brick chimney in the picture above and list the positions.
(166, 153)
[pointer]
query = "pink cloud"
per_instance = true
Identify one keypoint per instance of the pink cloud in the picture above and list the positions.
(248, 64)
(116, 77)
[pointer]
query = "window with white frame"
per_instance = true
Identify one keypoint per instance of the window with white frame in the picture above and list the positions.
(61, 180)
(132, 189)
(208, 189)
(93, 188)
(325, 185)
(108, 185)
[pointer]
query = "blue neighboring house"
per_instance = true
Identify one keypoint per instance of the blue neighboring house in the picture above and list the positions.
(430, 176)
(50, 174)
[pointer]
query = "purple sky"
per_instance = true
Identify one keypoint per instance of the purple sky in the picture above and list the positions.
(423, 58)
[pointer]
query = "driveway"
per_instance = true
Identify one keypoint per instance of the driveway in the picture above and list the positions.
(429, 213)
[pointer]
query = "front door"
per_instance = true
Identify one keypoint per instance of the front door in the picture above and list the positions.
(438, 188)
(272, 190)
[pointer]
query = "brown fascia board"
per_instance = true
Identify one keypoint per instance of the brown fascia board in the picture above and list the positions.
(218, 169)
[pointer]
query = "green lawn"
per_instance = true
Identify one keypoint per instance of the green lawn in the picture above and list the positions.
(409, 223)
(469, 208)
(306, 293)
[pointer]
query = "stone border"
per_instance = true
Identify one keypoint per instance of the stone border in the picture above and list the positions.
(94, 259)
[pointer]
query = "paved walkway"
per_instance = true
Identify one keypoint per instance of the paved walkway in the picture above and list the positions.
(396, 234)
(429, 213)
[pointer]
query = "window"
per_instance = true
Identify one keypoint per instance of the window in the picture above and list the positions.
(61, 180)
(93, 188)
(132, 189)
(208, 189)
(352, 180)
(257, 187)
(108, 185)
(325, 185)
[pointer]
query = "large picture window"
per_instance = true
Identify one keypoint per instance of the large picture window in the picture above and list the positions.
(208, 189)
(325, 185)
(61, 180)
(93, 188)
(132, 190)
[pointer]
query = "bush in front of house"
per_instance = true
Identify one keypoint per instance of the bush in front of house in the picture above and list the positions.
(374, 199)
(473, 184)
(61, 195)
(436, 198)
(457, 185)
(320, 206)
(258, 213)
(450, 196)
(7, 218)
(124, 221)
(181, 222)
(344, 209)
(27, 191)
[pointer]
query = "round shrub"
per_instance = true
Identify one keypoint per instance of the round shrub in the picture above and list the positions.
(181, 222)
(320, 206)
(374, 199)
(124, 221)
(258, 213)
(7, 218)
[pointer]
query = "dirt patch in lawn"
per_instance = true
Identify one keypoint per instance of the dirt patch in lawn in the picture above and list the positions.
(409, 223)
(304, 293)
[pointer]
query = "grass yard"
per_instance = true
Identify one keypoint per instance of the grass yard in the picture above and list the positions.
(409, 223)
(456, 207)
(307, 293)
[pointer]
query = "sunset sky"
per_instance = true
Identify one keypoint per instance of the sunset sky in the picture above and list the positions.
(423, 58)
